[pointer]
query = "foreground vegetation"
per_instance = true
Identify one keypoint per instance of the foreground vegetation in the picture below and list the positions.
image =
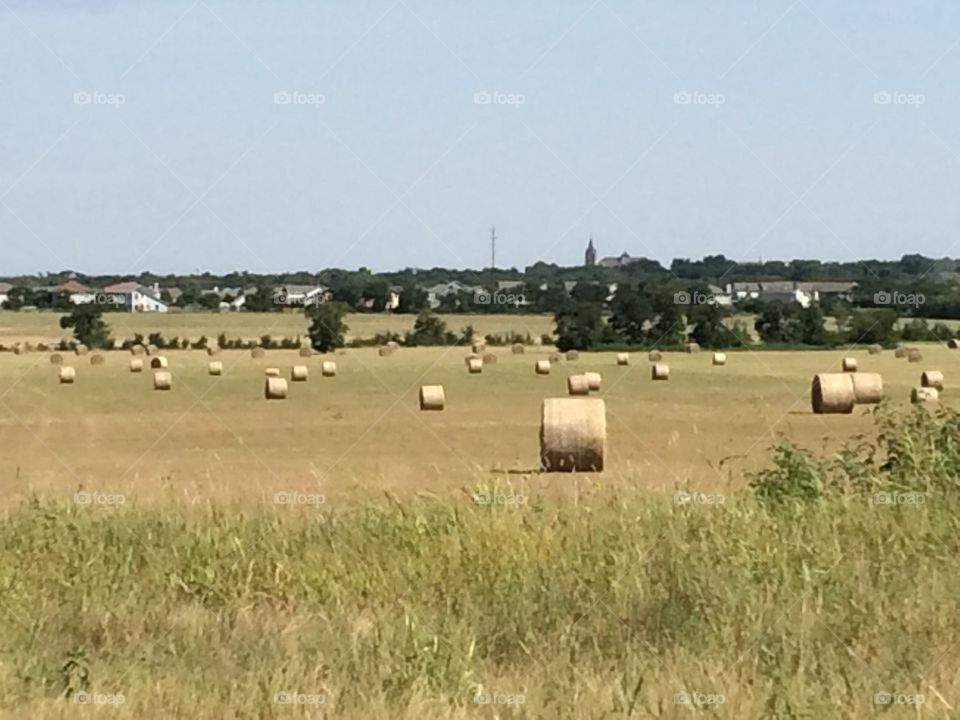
(829, 589)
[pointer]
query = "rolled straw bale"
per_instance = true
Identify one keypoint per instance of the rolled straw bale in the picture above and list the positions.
(924, 395)
(81, 350)
(542, 367)
(578, 385)
(299, 373)
(518, 349)
(152, 349)
(162, 380)
(56, 359)
(554, 357)
(136, 365)
(158, 362)
(328, 368)
(393, 344)
(914, 355)
(475, 366)
(468, 358)
(593, 380)
(275, 388)
(479, 346)
(932, 378)
(900, 352)
(659, 371)
(306, 352)
(489, 359)
(43, 347)
(867, 387)
(655, 356)
(623, 358)
(67, 375)
(432, 397)
(953, 343)
(138, 350)
(572, 355)
(719, 358)
(693, 347)
(849, 364)
(832, 393)
(272, 372)
(211, 351)
(874, 349)
(386, 351)
(215, 368)
(257, 353)
(97, 359)
(573, 435)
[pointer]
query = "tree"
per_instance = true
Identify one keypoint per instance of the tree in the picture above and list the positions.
(871, 327)
(261, 300)
(413, 299)
(709, 330)
(769, 325)
(429, 330)
(810, 324)
(88, 326)
(327, 328)
(630, 312)
(580, 327)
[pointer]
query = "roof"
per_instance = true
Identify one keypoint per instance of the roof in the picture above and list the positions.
(5, 287)
(72, 286)
(829, 286)
(509, 284)
(123, 288)
(298, 289)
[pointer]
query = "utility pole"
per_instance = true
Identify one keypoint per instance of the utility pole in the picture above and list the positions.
(493, 258)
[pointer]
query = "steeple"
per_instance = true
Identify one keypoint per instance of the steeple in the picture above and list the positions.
(590, 257)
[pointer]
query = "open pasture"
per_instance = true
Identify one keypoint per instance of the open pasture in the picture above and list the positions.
(216, 439)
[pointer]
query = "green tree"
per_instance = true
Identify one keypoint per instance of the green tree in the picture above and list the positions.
(580, 327)
(770, 324)
(413, 299)
(429, 330)
(327, 328)
(709, 330)
(630, 313)
(872, 327)
(88, 326)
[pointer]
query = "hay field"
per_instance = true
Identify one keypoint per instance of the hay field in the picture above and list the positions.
(216, 439)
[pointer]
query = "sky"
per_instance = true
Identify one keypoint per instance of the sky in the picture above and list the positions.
(175, 136)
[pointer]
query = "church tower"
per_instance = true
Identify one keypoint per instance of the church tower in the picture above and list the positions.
(590, 257)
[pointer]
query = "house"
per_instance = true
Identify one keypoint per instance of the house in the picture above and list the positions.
(300, 295)
(439, 291)
(79, 293)
(719, 296)
(821, 290)
(393, 297)
(614, 262)
(134, 297)
(788, 291)
(5, 289)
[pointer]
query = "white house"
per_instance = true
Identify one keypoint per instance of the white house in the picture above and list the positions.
(439, 291)
(134, 297)
(788, 291)
(300, 295)
(5, 289)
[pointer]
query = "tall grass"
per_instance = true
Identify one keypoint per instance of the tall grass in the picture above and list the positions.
(830, 582)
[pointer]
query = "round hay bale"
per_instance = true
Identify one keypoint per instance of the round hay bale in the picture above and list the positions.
(832, 393)
(18, 350)
(136, 365)
(152, 349)
(306, 352)
(272, 372)
(215, 368)
(693, 347)
(654, 356)
(97, 359)
(328, 368)
(479, 346)
(489, 359)
(623, 358)
(299, 373)
(719, 358)
(573, 435)
(914, 355)
(874, 349)
(138, 350)
(578, 385)
(593, 381)
(932, 378)
(432, 397)
(475, 366)
(924, 395)
(517, 349)
(81, 350)
(468, 358)
(542, 367)
(211, 351)
(867, 387)
(275, 388)
(572, 355)
(953, 343)
(67, 375)
(659, 371)
(900, 352)
(386, 351)
(555, 357)
(162, 380)
(849, 364)
(43, 347)
(393, 344)
(56, 359)
(158, 363)
(258, 353)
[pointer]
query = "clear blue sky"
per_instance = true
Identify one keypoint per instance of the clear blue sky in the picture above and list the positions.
(200, 167)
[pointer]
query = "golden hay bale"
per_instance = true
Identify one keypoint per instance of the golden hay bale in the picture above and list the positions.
(479, 346)
(299, 373)
(152, 349)
(18, 350)
(914, 355)
(849, 364)
(393, 344)
(573, 435)
(272, 372)
(554, 357)
(275, 388)
(468, 358)
(572, 355)
(215, 368)
(655, 356)
(162, 380)
(136, 365)
(81, 349)
(578, 385)
(328, 368)
(953, 343)
(211, 351)
(97, 359)
(659, 371)
(138, 350)
(257, 353)
(593, 381)
(306, 352)
(924, 395)
(900, 352)
(56, 359)
(158, 363)
(489, 359)
(874, 349)
(518, 349)
(386, 351)
(932, 378)
(867, 387)
(432, 397)
(67, 375)
(832, 393)
(623, 358)
(693, 347)
(43, 347)
(475, 366)
(719, 358)
(542, 367)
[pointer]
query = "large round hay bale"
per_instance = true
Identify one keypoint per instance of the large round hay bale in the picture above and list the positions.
(328, 368)
(953, 343)
(479, 346)
(572, 355)
(623, 358)
(573, 435)
(432, 397)
(162, 380)
(578, 385)
(719, 358)
(659, 371)
(832, 393)
(306, 352)
(468, 358)
(900, 352)
(394, 345)
(693, 347)
(867, 387)
(215, 368)
(386, 351)
(932, 378)
(97, 359)
(138, 350)
(152, 349)
(874, 349)
(475, 366)
(158, 363)
(213, 350)
(275, 388)
(67, 375)
(18, 350)
(136, 365)
(517, 349)
(271, 372)
(593, 381)
(56, 359)
(914, 355)
(299, 373)
(257, 353)
(849, 364)
(542, 367)
(654, 356)
(81, 350)
(554, 357)
(924, 395)
(489, 359)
